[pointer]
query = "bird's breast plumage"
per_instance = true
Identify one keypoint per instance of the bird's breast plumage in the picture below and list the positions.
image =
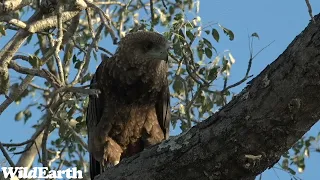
(134, 84)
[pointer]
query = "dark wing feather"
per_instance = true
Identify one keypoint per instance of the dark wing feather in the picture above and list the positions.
(94, 114)
(163, 110)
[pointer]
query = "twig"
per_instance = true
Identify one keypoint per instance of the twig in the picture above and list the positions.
(90, 23)
(39, 87)
(105, 50)
(187, 68)
(61, 154)
(190, 103)
(36, 134)
(110, 3)
(58, 44)
(6, 155)
(310, 10)
(76, 90)
(14, 95)
(152, 15)
(33, 140)
(246, 76)
(28, 71)
(84, 65)
(25, 58)
(13, 21)
(73, 132)
(105, 19)
(72, 28)
(164, 5)
(36, 72)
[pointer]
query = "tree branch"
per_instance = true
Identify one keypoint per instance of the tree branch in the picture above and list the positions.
(14, 95)
(250, 133)
(6, 155)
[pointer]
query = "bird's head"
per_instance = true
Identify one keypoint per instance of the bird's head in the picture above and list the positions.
(146, 45)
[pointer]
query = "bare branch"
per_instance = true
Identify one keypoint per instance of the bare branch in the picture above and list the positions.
(39, 87)
(310, 10)
(9, 50)
(34, 136)
(110, 3)
(105, 19)
(152, 14)
(90, 23)
(32, 149)
(84, 65)
(44, 145)
(13, 21)
(13, 5)
(51, 21)
(58, 44)
(246, 76)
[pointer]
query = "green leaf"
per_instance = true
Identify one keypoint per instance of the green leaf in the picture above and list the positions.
(255, 35)
(86, 78)
(79, 118)
(171, 10)
(228, 32)
(11, 149)
(178, 85)
(37, 52)
(208, 52)
(178, 16)
(27, 114)
(291, 171)
(14, 87)
(95, 56)
(184, 126)
(78, 64)
(207, 42)
(215, 35)
(207, 31)
(173, 123)
(177, 46)
(34, 61)
(190, 35)
(28, 40)
(2, 30)
(19, 116)
(285, 164)
(200, 52)
(213, 73)
(74, 59)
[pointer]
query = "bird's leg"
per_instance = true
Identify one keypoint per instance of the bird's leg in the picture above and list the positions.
(112, 153)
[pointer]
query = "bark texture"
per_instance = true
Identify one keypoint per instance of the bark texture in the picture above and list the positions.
(250, 133)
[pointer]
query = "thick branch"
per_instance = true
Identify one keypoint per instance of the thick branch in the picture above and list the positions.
(250, 133)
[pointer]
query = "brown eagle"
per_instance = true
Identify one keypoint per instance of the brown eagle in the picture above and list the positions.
(133, 110)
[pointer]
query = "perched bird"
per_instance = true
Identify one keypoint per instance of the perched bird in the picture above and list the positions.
(133, 109)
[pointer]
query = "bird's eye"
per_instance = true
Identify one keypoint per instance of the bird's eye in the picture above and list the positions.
(148, 46)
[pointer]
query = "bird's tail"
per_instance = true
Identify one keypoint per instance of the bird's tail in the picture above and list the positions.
(95, 167)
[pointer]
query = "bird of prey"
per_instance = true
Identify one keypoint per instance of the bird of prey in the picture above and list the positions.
(132, 111)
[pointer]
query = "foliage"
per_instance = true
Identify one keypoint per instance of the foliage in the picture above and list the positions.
(64, 52)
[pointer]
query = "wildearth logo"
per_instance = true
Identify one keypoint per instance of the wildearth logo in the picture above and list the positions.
(41, 172)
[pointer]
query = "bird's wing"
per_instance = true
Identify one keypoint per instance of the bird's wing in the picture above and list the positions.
(163, 110)
(94, 114)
